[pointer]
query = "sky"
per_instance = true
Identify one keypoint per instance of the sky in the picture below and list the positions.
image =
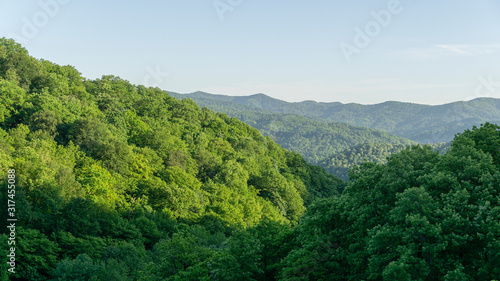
(366, 51)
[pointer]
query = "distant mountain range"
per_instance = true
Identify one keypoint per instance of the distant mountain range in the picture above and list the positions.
(317, 140)
(417, 122)
(338, 136)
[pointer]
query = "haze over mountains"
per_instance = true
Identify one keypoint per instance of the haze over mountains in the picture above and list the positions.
(417, 122)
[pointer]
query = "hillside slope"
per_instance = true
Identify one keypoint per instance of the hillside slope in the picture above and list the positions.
(315, 139)
(420, 123)
(99, 162)
(104, 180)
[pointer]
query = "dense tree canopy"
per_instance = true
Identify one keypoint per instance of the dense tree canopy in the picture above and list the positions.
(314, 139)
(421, 216)
(339, 163)
(122, 182)
(103, 162)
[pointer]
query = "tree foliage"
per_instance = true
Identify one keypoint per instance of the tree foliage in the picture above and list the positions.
(103, 162)
(122, 182)
(421, 216)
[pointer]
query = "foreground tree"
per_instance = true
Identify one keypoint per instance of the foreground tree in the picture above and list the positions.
(422, 216)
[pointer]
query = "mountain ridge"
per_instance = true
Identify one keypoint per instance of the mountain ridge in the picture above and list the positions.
(418, 122)
(229, 97)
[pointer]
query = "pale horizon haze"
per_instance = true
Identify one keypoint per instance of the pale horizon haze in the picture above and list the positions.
(427, 52)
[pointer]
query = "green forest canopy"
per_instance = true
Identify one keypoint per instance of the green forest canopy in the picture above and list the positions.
(333, 146)
(123, 182)
(124, 151)
(316, 140)
(339, 163)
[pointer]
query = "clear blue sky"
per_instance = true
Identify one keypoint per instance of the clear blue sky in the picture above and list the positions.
(429, 52)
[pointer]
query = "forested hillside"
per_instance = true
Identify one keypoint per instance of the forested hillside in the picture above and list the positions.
(340, 163)
(112, 181)
(316, 140)
(420, 123)
(103, 166)
(422, 216)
